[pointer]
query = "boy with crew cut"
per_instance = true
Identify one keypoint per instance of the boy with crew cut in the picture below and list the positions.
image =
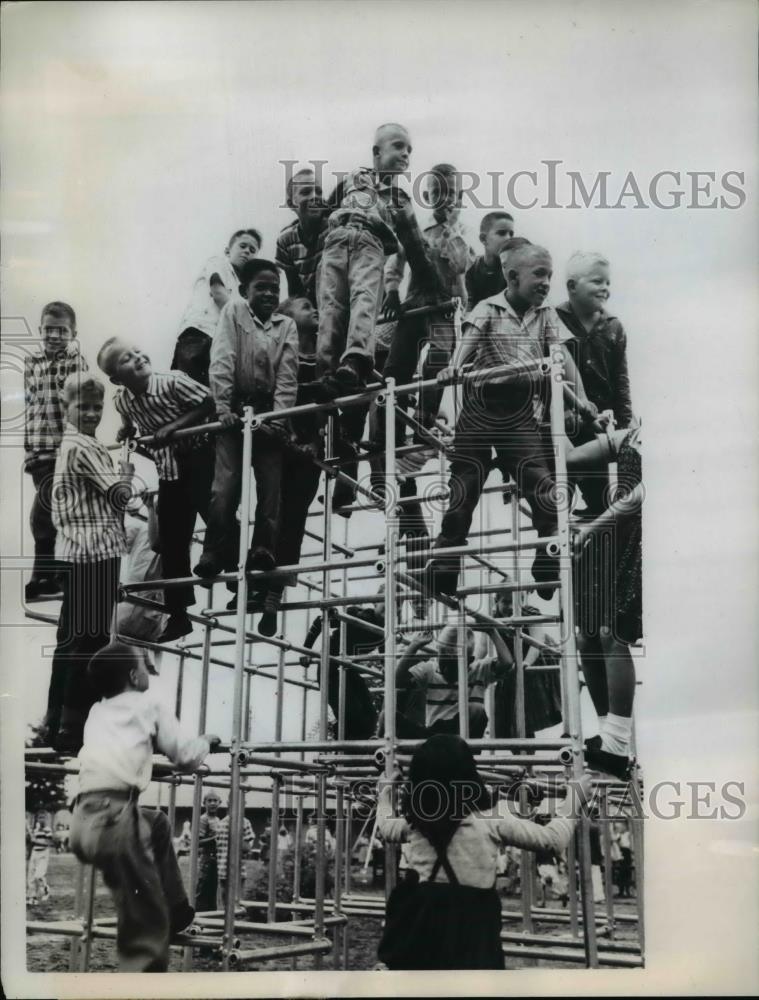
(130, 844)
(254, 361)
(161, 403)
(45, 373)
(89, 501)
(485, 277)
(300, 244)
(512, 328)
(599, 347)
(372, 215)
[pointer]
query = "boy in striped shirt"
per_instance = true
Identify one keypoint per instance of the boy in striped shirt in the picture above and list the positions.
(89, 500)
(161, 403)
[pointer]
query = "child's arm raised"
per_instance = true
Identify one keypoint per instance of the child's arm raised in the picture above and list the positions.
(187, 755)
(410, 657)
(221, 372)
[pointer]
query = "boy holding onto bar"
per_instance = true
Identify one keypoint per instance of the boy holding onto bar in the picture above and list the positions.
(216, 284)
(512, 328)
(485, 277)
(160, 403)
(254, 361)
(599, 348)
(300, 245)
(130, 844)
(89, 501)
(45, 373)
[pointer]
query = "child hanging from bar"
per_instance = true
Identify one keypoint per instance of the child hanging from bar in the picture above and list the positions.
(446, 913)
(161, 403)
(130, 844)
(254, 361)
(89, 500)
(503, 415)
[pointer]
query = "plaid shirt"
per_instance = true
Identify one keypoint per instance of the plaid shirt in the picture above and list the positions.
(443, 697)
(43, 382)
(222, 843)
(88, 501)
(450, 254)
(299, 257)
(502, 337)
(169, 395)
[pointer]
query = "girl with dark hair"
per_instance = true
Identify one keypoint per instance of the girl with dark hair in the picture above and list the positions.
(446, 914)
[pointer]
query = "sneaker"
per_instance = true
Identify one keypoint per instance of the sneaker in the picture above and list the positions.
(544, 569)
(43, 586)
(438, 578)
(267, 624)
(177, 626)
(207, 567)
(343, 496)
(614, 764)
(593, 743)
(260, 560)
(181, 919)
(350, 375)
(253, 605)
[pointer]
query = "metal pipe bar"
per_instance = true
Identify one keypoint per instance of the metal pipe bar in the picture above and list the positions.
(239, 956)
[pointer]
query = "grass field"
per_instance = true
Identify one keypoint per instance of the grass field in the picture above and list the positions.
(50, 953)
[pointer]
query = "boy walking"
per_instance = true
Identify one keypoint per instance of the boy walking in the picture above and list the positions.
(254, 360)
(161, 403)
(130, 844)
(512, 328)
(45, 373)
(88, 513)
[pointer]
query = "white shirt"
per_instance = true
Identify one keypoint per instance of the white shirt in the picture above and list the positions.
(202, 312)
(120, 735)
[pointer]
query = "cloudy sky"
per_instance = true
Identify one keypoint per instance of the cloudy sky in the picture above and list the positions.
(137, 137)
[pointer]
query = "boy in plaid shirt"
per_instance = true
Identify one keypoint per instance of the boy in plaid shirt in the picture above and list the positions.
(44, 375)
(161, 403)
(89, 501)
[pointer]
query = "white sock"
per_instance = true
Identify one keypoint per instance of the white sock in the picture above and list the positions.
(616, 733)
(601, 722)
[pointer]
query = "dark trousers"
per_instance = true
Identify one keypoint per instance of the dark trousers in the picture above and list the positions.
(132, 847)
(594, 486)
(208, 882)
(192, 354)
(84, 627)
(521, 451)
(222, 529)
(179, 503)
(410, 336)
(300, 481)
(360, 713)
(40, 519)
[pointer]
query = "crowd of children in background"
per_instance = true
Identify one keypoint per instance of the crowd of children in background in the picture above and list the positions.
(344, 258)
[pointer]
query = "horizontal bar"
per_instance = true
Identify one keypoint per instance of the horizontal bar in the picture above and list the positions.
(238, 956)
(517, 937)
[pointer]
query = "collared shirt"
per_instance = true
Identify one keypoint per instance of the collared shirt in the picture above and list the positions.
(252, 361)
(43, 381)
(120, 735)
(88, 501)
(450, 254)
(474, 847)
(202, 312)
(222, 843)
(169, 395)
(601, 358)
(443, 697)
(299, 254)
(386, 210)
(482, 281)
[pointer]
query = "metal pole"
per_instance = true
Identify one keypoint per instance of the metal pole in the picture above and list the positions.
(233, 858)
(178, 713)
(569, 646)
(391, 551)
(463, 671)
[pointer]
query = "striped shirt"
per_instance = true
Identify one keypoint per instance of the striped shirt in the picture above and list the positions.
(442, 697)
(299, 255)
(222, 843)
(42, 838)
(89, 499)
(43, 382)
(169, 395)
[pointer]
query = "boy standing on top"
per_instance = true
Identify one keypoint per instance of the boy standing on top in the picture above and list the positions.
(44, 375)
(254, 361)
(300, 245)
(161, 403)
(372, 216)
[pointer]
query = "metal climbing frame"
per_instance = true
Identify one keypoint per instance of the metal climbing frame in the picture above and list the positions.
(336, 769)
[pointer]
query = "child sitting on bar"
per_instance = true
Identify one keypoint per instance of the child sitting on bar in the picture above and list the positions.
(254, 361)
(503, 413)
(130, 844)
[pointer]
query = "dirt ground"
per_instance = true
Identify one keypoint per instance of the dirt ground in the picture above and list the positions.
(50, 953)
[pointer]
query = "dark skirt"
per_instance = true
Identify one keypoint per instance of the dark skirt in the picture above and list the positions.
(435, 925)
